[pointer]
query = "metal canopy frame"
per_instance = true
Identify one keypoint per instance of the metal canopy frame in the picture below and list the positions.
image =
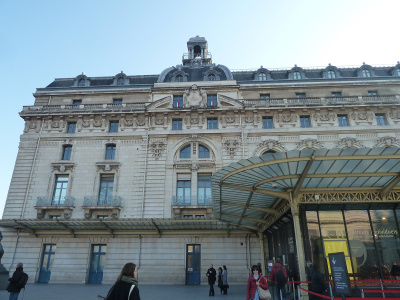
(253, 193)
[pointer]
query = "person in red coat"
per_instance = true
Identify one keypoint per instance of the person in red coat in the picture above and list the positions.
(278, 287)
(255, 279)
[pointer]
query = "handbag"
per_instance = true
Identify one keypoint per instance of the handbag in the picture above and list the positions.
(263, 294)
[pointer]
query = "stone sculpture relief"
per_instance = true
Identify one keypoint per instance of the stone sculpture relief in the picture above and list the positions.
(349, 143)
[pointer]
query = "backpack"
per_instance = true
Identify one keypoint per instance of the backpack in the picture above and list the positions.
(280, 278)
(22, 282)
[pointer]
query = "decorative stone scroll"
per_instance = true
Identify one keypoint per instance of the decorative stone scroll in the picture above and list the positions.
(62, 167)
(231, 146)
(269, 145)
(194, 97)
(157, 147)
(324, 118)
(287, 120)
(107, 167)
(349, 143)
(309, 144)
(388, 141)
(361, 118)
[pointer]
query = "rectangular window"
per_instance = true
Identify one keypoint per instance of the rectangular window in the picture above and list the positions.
(212, 123)
(380, 119)
(114, 126)
(60, 190)
(77, 102)
(343, 120)
(305, 122)
(264, 98)
(212, 100)
(177, 124)
(106, 189)
(183, 190)
(204, 190)
(67, 150)
(102, 217)
(178, 102)
(300, 95)
(71, 127)
(268, 122)
(110, 151)
(336, 94)
(372, 93)
(117, 101)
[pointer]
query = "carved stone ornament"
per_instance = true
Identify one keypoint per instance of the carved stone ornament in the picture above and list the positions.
(309, 144)
(269, 145)
(32, 125)
(157, 147)
(287, 120)
(128, 123)
(362, 117)
(388, 141)
(140, 121)
(62, 167)
(324, 118)
(159, 121)
(349, 143)
(194, 97)
(108, 167)
(395, 116)
(231, 146)
(85, 123)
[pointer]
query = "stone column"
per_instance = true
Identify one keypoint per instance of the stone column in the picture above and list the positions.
(299, 240)
(263, 266)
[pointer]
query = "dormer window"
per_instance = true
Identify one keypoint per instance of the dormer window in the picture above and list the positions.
(296, 75)
(82, 82)
(366, 73)
(331, 74)
(398, 72)
(262, 76)
(120, 81)
(211, 77)
(178, 78)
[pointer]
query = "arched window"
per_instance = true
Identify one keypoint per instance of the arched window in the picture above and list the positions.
(120, 81)
(185, 152)
(269, 151)
(262, 76)
(178, 78)
(204, 152)
(331, 74)
(296, 75)
(211, 77)
(398, 72)
(82, 82)
(366, 73)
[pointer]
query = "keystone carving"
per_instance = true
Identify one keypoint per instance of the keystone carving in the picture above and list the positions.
(387, 141)
(194, 97)
(309, 144)
(349, 143)
(269, 145)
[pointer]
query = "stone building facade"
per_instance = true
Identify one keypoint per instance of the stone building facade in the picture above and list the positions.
(119, 168)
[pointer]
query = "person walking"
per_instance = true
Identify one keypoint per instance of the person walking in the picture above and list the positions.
(255, 279)
(225, 285)
(126, 286)
(220, 280)
(14, 286)
(317, 283)
(279, 278)
(212, 276)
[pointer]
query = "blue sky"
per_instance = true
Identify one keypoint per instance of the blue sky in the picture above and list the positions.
(42, 40)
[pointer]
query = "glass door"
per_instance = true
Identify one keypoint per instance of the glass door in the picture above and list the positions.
(97, 261)
(49, 251)
(193, 256)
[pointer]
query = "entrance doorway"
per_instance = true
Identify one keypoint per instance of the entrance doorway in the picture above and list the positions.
(49, 251)
(97, 261)
(193, 258)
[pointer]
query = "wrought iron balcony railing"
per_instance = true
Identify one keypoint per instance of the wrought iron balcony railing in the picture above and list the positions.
(186, 201)
(193, 56)
(102, 201)
(55, 201)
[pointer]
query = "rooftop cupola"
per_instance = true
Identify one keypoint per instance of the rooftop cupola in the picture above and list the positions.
(197, 50)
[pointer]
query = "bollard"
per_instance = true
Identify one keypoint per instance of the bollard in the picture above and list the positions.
(362, 293)
(298, 292)
(383, 293)
(330, 290)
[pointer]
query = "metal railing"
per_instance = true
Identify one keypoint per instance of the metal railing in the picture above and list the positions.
(55, 201)
(192, 56)
(186, 201)
(102, 201)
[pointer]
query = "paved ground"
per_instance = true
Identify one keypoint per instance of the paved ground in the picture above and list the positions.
(147, 292)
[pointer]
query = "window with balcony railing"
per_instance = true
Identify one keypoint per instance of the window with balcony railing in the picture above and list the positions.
(183, 190)
(60, 190)
(204, 190)
(106, 189)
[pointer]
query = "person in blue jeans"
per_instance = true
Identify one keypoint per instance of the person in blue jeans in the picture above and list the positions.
(279, 286)
(13, 288)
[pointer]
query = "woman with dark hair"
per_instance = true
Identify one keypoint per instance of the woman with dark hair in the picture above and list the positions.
(126, 286)
(225, 285)
(255, 279)
(220, 280)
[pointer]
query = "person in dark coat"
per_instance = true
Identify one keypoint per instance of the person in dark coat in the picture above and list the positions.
(317, 283)
(220, 280)
(224, 276)
(395, 271)
(212, 276)
(126, 286)
(309, 271)
(256, 279)
(13, 288)
(278, 289)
